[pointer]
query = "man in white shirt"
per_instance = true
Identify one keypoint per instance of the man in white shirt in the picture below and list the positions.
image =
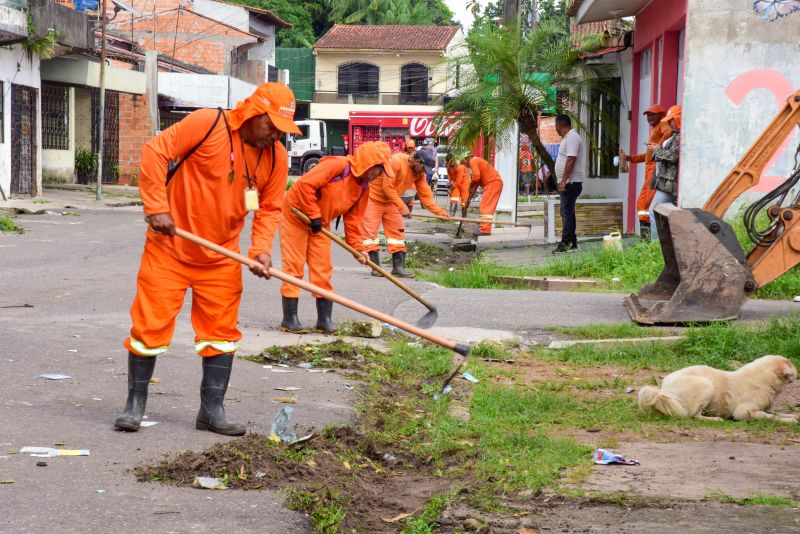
(570, 172)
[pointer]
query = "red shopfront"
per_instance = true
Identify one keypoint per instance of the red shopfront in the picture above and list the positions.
(396, 128)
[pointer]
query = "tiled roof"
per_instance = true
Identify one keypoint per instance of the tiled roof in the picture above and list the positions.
(396, 37)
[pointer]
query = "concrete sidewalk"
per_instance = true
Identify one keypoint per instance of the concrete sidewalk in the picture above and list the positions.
(60, 197)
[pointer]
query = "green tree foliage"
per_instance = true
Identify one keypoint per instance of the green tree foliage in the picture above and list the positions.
(505, 76)
(297, 13)
(413, 12)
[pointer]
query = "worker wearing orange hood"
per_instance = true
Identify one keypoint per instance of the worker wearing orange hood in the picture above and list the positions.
(487, 177)
(204, 174)
(387, 206)
(337, 186)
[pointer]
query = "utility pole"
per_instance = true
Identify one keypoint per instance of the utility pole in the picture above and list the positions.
(102, 126)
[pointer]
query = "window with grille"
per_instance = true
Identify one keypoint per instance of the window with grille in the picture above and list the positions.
(55, 117)
(604, 108)
(414, 83)
(358, 79)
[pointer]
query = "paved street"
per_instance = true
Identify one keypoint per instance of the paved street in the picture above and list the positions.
(78, 274)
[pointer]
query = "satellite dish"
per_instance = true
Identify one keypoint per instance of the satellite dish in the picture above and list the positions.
(120, 5)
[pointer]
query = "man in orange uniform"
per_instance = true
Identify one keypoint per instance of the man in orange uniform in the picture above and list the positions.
(385, 205)
(660, 133)
(411, 147)
(222, 164)
(459, 183)
(338, 186)
(485, 176)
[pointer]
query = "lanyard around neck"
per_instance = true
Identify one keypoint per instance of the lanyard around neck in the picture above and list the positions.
(246, 167)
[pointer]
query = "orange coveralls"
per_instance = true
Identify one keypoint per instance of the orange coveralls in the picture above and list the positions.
(659, 134)
(206, 199)
(326, 192)
(485, 176)
(459, 184)
(385, 205)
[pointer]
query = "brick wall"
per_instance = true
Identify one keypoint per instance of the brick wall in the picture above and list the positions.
(184, 35)
(134, 131)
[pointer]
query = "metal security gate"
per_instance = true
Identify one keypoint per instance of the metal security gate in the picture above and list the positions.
(110, 134)
(23, 141)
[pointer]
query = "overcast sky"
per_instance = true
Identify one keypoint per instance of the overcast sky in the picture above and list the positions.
(459, 8)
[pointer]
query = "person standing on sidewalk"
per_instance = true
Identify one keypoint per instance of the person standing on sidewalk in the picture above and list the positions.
(204, 174)
(570, 171)
(386, 206)
(667, 158)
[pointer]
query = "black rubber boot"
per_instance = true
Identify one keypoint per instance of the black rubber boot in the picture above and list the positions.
(211, 417)
(399, 265)
(324, 311)
(290, 321)
(375, 257)
(453, 209)
(140, 371)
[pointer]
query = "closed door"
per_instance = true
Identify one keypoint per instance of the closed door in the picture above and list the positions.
(23, 140)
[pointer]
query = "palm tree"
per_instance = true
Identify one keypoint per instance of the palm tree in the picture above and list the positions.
(506, 76)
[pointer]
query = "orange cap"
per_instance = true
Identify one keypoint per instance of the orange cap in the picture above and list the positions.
(655, 108)
(674, 113)
(411, 144)
(370, 154)
(274, 99)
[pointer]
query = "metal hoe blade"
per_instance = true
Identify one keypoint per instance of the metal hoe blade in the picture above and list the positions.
(429, 319)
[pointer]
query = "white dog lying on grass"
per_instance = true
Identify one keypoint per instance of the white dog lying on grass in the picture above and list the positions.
(742, 394)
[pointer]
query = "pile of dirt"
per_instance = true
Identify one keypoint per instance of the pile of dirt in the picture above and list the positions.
(336, 354)
(340, 468)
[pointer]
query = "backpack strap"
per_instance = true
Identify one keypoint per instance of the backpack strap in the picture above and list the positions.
(175, 164)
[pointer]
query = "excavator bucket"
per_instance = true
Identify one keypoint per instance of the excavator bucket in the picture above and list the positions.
(705, 278)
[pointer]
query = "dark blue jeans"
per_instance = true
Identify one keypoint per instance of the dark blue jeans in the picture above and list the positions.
(568, 199)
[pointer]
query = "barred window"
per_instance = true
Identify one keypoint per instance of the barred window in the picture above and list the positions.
(55, 117)
(359, 79)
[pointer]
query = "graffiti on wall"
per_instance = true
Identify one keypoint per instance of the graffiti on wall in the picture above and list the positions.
(772, 10)
(781, 88)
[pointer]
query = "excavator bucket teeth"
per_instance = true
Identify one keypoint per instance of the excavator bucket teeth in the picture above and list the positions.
(705, 278)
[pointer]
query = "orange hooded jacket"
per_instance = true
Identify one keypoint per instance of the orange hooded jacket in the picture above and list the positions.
(206, 194)
(482, 172)
(388, 190)
(327, 191)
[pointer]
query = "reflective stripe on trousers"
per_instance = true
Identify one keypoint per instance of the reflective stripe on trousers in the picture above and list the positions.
(140, 348)
(222, 346)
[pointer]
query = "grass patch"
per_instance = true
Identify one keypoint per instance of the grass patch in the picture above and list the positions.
(635, 266)
(719, 345)
(7, 224)
(609, 331)
(756, 499)
(324, 507)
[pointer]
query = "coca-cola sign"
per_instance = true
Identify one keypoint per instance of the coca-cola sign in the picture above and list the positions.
(426, 127)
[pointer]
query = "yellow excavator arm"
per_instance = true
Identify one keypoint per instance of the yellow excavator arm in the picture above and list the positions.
(706, 275)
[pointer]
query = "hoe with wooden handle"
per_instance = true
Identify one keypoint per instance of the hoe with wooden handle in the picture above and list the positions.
(427, 320)
(459, 348)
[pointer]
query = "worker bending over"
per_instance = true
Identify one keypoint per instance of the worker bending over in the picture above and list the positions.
(459, 180)
(337, 186)
(485, 176)
(221, 164)
(386, 205)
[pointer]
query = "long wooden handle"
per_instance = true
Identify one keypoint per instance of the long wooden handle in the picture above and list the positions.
(330, 295)
(344, 244)
(464, 219)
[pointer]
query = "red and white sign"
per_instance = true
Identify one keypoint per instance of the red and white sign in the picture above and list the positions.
(426, 127)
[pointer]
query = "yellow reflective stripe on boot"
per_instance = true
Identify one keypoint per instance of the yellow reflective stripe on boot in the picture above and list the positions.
(143, 350)
(222, 346)
(392, 241)
(370, 242)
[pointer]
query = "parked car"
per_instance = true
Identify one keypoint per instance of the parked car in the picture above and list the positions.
(442, 183)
